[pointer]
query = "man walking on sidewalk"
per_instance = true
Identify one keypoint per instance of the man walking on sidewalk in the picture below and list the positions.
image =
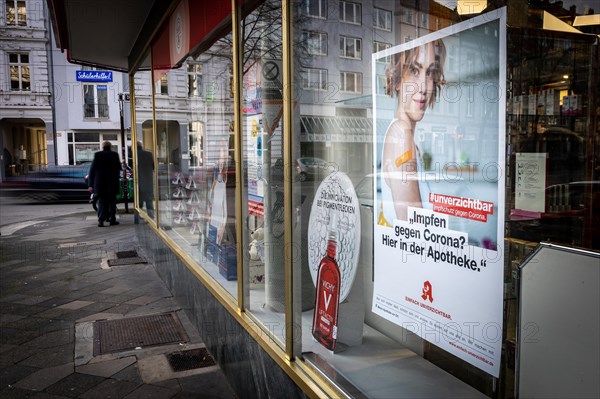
(104, 181)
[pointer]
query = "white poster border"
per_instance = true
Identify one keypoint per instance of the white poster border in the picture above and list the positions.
(500, 15)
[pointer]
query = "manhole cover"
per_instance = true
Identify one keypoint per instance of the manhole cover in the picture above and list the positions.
(126, 261)
(127, 254)
(190, 359)
(124, 334)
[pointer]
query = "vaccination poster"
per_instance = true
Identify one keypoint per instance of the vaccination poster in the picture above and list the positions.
(439, 187)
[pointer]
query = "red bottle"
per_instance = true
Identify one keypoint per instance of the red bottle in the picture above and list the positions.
(327, 296)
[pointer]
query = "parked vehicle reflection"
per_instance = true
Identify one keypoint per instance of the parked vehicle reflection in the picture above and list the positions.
(63, 183)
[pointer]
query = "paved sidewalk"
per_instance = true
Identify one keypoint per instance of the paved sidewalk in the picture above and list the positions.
(57, 287)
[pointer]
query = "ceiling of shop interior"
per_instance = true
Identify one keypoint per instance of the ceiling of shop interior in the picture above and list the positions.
(104, 33)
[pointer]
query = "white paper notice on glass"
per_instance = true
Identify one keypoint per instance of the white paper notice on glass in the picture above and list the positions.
(530, 181)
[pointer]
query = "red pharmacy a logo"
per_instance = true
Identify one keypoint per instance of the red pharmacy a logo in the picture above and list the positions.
(427, 291)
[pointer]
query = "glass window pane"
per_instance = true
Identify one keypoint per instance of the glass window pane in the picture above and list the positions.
(88, 138)
(22, 13)
(337, 181)
(145, 188)
(262, 127)
(10, 12)
(102, 101)
(14, 78)
(25, 78)
(195, 165)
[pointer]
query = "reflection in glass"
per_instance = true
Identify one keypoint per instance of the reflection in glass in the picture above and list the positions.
(195, 160)
(145, 192)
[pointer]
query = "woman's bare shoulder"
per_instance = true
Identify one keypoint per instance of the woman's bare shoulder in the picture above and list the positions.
(398, 129)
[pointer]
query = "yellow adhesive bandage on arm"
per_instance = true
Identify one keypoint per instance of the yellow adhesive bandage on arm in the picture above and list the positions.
(404, 158)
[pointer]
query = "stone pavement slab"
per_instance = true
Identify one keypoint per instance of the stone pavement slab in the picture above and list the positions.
(74, 385)
(43, 378)
(108, 368)
(151, 391)
(53, 288)
(113, 389)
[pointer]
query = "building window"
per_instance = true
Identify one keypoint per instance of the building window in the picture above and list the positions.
(380, 46)
(350, 13)
(381, 84)
(20, 78)
(314, 79)
(316, 42)
(408, 17)
(16, 12)
(424, 20)
(230, 70)
(382, 19)
(315, 8)
(194, 80)
(162, 85)
(195, 143)
(350, 47)
(350, 82)
(95, 101)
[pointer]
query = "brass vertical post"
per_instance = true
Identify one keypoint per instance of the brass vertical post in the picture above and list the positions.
(237, 123)
(286, 35)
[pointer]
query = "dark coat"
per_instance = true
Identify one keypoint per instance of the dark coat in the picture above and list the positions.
(145, 167)
(104, 173)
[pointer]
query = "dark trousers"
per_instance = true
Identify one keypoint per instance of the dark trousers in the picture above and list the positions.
(107, 208)
(146, 197)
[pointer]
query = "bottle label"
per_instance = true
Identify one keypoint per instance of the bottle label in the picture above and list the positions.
(326, 304)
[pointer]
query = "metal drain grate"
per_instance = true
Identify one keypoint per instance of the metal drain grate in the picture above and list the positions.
(127, 254)
(190, 359)
(124, 334)
(126, 261)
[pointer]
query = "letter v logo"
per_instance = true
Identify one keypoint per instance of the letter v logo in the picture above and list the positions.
(327, 300)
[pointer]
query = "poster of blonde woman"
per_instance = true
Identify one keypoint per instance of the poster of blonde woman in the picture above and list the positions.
(439, 178)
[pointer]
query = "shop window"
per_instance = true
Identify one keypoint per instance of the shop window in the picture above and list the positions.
(315, 8)
(195, 167)
(350, 47)
(95, 101)
(382, 19)
(314, 79)
(82, 147)
(144, 153)
(350, 13)
(19, 72)
(339, 150)
(263, 178)
(351, 82)
(87, 137)
(16, 12)
(316, 42)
